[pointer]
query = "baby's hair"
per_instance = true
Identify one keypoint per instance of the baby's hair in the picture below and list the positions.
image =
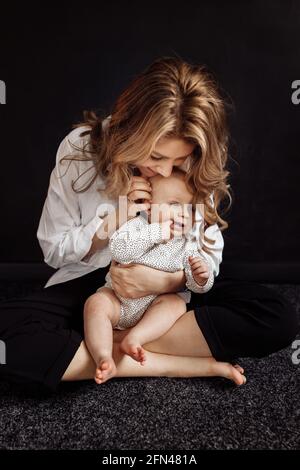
(177, 172)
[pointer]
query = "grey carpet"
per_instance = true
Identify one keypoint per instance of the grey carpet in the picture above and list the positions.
(161, 413)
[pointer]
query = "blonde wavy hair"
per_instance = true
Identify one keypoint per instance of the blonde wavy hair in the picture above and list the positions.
(170, 98)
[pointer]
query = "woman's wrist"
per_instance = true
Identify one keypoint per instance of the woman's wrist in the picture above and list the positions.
(100, 238)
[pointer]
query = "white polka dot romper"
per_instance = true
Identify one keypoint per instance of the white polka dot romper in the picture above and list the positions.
(137, 241)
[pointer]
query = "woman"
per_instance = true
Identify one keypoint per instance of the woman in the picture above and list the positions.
(170, 115)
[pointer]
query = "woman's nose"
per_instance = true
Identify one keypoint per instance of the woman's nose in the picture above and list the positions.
(165, 170)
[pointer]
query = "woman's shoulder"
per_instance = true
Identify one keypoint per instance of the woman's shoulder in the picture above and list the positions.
(69, 153)
(75, 140)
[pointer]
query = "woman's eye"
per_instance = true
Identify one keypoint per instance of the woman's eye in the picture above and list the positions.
(156, 158)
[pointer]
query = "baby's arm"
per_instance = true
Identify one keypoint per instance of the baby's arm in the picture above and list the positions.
(133, 239)
(213, 233)
(191, 279)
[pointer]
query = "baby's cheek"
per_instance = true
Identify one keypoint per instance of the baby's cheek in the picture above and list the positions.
(156, 217)
(164, 216)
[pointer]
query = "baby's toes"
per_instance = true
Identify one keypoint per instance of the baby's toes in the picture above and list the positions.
(142, 356)
(108, 369)
(134, 352)
(98, 376)
(105, 370)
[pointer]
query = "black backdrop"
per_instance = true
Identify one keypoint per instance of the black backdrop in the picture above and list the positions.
(57, 62)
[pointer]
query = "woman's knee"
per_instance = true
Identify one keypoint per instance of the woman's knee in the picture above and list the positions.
(284, 327)
(290, 319)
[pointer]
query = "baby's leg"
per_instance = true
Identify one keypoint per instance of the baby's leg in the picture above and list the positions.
(101, 313)
(157, 320)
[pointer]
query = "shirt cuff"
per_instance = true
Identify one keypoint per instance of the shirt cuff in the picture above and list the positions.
(88, 233)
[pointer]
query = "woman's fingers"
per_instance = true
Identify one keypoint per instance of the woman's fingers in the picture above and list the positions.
(140, 188)
(139, 182)
(140, 185)
(139, 178)
(135, 195)
(144, 184)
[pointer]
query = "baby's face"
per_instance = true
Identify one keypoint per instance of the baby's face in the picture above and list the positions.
(171, 199)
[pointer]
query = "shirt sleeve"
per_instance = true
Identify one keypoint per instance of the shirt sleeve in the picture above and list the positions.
(213, 233)
(62, 236)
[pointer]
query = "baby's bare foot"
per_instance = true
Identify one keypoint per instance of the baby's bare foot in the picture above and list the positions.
(106, 370)
(133, 348)
(227, 370)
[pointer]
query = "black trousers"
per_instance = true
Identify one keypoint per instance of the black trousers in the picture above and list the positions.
(43, 330)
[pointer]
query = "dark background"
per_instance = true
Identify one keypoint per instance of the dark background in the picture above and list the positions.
(57, 62)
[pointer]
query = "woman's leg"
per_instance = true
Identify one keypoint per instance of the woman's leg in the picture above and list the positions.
(157, 365)
(43, 330)
(234, 319)
(185, 338)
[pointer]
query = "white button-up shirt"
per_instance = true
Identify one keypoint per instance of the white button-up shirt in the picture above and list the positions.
(69, 220)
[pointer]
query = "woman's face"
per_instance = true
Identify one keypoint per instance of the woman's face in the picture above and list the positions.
(168, 152)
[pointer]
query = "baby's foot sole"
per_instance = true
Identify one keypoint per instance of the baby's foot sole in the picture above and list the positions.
(134, 350)
(106, 370)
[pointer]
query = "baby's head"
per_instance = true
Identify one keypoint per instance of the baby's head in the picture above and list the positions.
(171, 197)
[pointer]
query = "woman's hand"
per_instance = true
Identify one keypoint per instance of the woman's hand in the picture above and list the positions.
(138, 196)
(137, 280)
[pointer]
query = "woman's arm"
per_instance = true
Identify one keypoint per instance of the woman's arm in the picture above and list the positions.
(61, 234)
(102, 235)
(112, 221)
(137, 280)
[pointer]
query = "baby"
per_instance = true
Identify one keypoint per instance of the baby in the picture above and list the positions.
(155, 240)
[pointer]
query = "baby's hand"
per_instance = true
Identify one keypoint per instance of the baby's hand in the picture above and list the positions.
(200, 270)
(166, 229)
